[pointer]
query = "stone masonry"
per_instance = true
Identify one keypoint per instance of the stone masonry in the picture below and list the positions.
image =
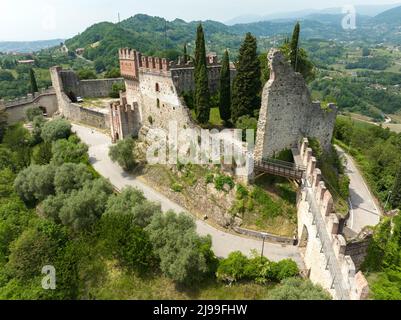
(287, 113)
(153, 88)
(322, 245)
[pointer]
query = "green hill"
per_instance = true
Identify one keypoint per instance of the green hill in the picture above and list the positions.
(390, 17)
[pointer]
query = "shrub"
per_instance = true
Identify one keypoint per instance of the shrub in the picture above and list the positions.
(185, 257)
(259, 269)
(298, 289)
(242, 192)
(55, 130)
(176, 187)
(71, 176)
(126, 241)
(35, 183)
(71, 150)
(132, 201)
(31, 113)
(285, 269)
(209, 178)
(123, 154)
(220, 181)
(83, 208)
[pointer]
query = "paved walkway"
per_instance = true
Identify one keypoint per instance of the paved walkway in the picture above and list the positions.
(223, 243)
(364, 211)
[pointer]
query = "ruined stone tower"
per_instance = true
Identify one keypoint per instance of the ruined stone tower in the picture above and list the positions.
(288, 114)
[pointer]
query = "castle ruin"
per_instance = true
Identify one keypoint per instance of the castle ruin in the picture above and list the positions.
(288, 114)
(153, 93)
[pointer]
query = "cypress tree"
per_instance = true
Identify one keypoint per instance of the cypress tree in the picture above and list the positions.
(247, 83)
(185, 54)
(202, 94)
(294, 46)
(396, 192)
(34, 85)
(225, 89)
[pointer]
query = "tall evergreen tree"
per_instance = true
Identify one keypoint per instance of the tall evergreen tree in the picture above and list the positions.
(185, 53)
(34, 85)
(202, 94)
(396, 192)
(294, 46)
(247, 83)
(225, 89)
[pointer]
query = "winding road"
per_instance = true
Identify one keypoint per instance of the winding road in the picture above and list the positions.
(223, 243)
(364, 210)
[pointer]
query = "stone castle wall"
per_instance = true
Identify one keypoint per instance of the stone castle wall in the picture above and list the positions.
(151, 99)
(16, 109)
(96, 88)
(287, 113)
(73, 111)
(322, 246)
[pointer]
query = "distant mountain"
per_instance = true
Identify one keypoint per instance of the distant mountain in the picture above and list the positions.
(362, 10)
(159, 37)
(390, 17)
(27, 46)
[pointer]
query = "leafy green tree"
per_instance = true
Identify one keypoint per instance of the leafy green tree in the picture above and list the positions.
(51, 206)
(55, 130)
(33, 112)
(71, 150)
(37, 125)
(3, 123)
(35, 183)
(18, 140)
(112, 73)
(7, 159)
(202, 94)
(247, 84)
(294, 46)
(396, 192)
(6, 182)
(298, 56)
(115, 90)
(42, 154)
(84, 207)
(36, 247)
(126, 241)
(123, 154)
(71, 176)
(184, 256)
(233, 268)
(86, 74)
(225, 89)
(185, 53)
(34, 85)
(132, 201)
(6, 75)
(298, 289)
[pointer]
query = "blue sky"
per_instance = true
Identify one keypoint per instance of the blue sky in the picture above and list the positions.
(48, 19)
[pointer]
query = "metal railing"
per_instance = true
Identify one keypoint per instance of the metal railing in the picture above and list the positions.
(338, 284)
(280, 168)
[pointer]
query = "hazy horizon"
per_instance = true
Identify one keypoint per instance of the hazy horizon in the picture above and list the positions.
(60, 19)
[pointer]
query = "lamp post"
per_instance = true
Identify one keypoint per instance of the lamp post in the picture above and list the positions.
(264, 235)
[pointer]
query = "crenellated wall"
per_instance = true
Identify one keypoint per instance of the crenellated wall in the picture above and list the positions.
(16, 109)
(73, 111)
(322, 246)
